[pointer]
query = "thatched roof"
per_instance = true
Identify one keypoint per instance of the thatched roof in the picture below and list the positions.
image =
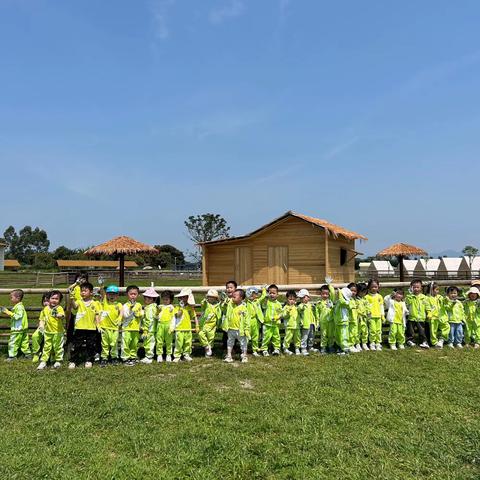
(93, 264)
(121, 245)
(330, 229)
(401, 249)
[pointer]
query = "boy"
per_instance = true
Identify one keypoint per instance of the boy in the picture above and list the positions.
(417, 305)
(307, 321)
(226, 305)
(472, 318)
(181, 323)
(209, 320)
(363, 311)
(87, 320)
(110, 321)
(437, 323)
(132, 313)
(256, 316)
(237, 326)
(53, 317)
(272, 311)
(396, 315)
(452, 309)
(18, 327)
(149, 324)
(324, 309)
(164, 336)
(292, 326)
(342, 318)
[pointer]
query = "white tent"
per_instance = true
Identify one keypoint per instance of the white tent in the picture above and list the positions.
(426, 267)
(364, 266)
(470, 267)
(380, 268)
(450, 268)
(409, 267)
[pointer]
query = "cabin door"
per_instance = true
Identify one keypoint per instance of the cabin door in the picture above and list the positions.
(278, 265)
(243, 265)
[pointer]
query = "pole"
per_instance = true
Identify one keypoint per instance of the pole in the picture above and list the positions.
(121, 267)
(400, 265)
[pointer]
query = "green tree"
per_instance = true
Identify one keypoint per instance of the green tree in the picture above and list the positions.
(43, 261)
(471, 253)
(28, 242)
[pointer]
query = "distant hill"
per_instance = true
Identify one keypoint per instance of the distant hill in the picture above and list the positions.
(447, 253)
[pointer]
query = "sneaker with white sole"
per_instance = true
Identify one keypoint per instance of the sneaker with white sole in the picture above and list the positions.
(88, 364)
(286, 351)
(313, 350)
(304, 353)
(42, 366)
(410, 343)
(459, 345)
(159, 358)
(358, 347)
(146, 360)
(176, 360)
(71, 365)
(208, 351)
(57, 365)
(244, 359)
(379, 347)
(440, 343)
(424, 345)
(228, 360)
(476, 346)
(187, 357)
(365, 347)
(256, 354)
(297, 351)
(265, 353)
(401, 346)
(450, 345)
(373, 347)
(393, 346)
(276, 352)
(169, 358)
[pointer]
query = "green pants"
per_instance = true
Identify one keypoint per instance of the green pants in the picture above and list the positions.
(183, 343)
(18, 341)
(292, 335)
(362, 331)
(129, 344)
(341, 336)
(436, 325)
(53, 345)
(396, 334)
(37, 339)
(164, 338)
(149, 344)
(255, 334)
(471, 332)
(375, 330)
(352, 333)
(109, 344)
(327, 333)
(206, 336)
(271, 334)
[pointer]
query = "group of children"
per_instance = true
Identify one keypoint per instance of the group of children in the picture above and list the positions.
(348, 320)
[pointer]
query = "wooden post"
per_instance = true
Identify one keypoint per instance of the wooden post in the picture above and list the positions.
(400, 266)
(121, 267)
(204, 266)
(327, 260)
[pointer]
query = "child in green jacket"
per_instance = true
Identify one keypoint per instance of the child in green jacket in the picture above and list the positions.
(324, 312)
(272, 313)
(253, 302)
(291, 323)
(452, 309)
(472, 318)
(210, 319)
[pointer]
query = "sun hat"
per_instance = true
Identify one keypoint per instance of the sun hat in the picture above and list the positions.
(303, 293)
(186, 292)
(250, 291)
(112, 289)
(474, 290)
(212, 293)
(151, 293)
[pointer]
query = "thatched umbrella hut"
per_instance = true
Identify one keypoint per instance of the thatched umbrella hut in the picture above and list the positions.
(119, 247)
(401, 251)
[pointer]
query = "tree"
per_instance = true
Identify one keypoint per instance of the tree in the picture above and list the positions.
(168, 257)
(471, 253)
(43, 261)
(24, 245)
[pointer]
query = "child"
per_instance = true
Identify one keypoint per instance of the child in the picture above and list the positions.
(342, 317)
(417, 305)
(87, 320)
(209, 320)
(37, 336)
(308, 322)
(181, 323)
(363, 311)
(18, 326)
(74, 291)
(324, 309)
(397, 317)
(53, 318)
(452, 308)
(434, 302)
(292, 326)
(237, 326)
(132, 313)
(472, 318)
(377, 315)
(256, 316)
(149, 324)
(353, 321)
(226, 304)
(110, 321)
(164, 336)
(272, 312)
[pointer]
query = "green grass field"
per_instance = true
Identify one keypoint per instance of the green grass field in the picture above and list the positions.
(408, 415)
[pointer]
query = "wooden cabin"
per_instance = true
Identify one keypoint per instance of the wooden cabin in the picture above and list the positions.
(292, 249)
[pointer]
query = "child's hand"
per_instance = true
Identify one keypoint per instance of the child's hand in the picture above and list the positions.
(197, 329)
(328, 280)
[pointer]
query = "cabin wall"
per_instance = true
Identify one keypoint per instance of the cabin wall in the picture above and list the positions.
(346, 272)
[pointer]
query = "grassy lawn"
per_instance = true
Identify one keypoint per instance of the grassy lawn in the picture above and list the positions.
(386, 415)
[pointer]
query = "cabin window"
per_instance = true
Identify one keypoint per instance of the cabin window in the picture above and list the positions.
(343, 257)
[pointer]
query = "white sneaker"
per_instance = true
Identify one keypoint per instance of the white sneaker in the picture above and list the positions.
(450, 345)
(358, 347)
(176, 360)
(440, 343)
(287, 352)
(256, 354)
(57, 365)
(42, 366)
(459, 345)
(160, 358)
(401, 346)
(410, 344)
(244, 359)
(313, 350)
(208, 351)
(365, 347)
(88, 364)
(228, 360)
(304, 353)
(276, 352)
(476, 346)
(424, 345)
(379, 347)
(97, 357)
(353, 349)
(146, 360)
(373, 347)
(265, 353)
(393, 346)
(187, 357)
(169, 358)
(297, 351)
(71, 365)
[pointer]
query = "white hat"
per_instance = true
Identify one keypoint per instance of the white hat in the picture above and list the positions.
(303, 293)
(212, 293)
(150, 292)
(187, 292)
(250, 291)
(474, 290)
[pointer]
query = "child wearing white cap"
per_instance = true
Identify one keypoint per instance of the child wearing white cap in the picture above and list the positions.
(149, 324)
(472, 318)
(253, 303)
(164, 337)
(209, 320)
(308, 322)
(181, 324)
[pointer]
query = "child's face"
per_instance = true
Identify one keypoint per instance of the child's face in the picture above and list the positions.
(112, 297)
(453, 295)
(166, 301)
(273, 293)
(354, 291)
(54, 301)
(291, 300)
(46, 302)
(212, 300)
(374, 288)
(398, 296)
(361, 294)
(183, 300)
(148, 300)
(133, 295)
(305, 299)
(435, 291)
(85, 293)
(324, 294)
(417, 288)
(473, 297)
(229, 289)
(254, 296)
(14, 298)
(237, 298)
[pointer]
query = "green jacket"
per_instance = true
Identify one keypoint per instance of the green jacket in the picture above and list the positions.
(18, 318)
(307, 315)
(417, 307)
(290, 316)
(452, 311)
(272, 312)
(211, 315)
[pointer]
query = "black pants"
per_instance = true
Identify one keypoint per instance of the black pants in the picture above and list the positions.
(419, 327)
(84, 346)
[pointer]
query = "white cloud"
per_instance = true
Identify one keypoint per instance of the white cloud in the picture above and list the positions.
(233, 9)
(338, 149)
(160, 13)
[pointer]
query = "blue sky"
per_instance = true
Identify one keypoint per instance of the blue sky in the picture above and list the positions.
(125, 117)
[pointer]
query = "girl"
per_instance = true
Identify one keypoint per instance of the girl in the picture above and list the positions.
(353, 321)
(472, 318)
(434, 302)
(363, 311)
(343, 317)
(397, 318)
(149, 324)
(182, 325)
(377, 315)
(209, 321)
(292, 326)
(164, 336)
(452, 309)
(37, 336)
